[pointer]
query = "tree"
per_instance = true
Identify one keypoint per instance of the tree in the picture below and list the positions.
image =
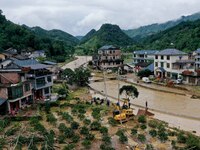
(129, 90)
(69, 75)
(82, 76)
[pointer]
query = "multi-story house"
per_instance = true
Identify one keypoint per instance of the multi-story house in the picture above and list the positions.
(108, 57)
(15, 90)
(171, 63)
(192, 77)
(37, 73)
(144, 56)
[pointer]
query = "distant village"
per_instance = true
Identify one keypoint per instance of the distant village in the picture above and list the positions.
(24, 80)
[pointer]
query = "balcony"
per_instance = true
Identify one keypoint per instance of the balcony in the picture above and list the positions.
(15, 92)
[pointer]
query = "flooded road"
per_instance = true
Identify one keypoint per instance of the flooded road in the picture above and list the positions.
(178, 110)
(167, 102)
(78, 62)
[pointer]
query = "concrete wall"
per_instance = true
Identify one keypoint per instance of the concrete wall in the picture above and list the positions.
(6, 78)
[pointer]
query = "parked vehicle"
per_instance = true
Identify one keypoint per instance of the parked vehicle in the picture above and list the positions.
(146, 80)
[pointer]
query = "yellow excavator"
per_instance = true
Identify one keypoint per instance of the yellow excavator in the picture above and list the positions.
(122, 114)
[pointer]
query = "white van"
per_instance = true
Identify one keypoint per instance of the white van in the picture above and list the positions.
(146, 80)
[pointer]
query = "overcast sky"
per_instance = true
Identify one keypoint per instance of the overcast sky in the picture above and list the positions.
(77, 17)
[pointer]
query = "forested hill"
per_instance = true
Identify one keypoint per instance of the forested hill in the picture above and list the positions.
(56, 35)
(107, 34)
(88, 36)
(22, 38)
(184, 36)
(145, 31)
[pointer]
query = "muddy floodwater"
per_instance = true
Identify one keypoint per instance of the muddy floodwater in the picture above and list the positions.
(178, 110)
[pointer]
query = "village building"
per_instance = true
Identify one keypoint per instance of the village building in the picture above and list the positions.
(192, 77)
(170, 63)
(37, 53)
(15, 90)
(142, 59)
(108, 57)
(24, 81)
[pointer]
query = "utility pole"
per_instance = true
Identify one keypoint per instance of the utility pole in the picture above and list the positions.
(105, 88)
(118, 78)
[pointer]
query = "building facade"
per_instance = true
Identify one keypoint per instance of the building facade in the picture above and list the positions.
(170, 63)
(23, 82)
(146, 56)
(15, 90)
(108, 57)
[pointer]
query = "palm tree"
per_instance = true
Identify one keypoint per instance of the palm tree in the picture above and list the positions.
(129, 90)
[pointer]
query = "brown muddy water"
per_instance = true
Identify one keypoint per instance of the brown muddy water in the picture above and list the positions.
(178, 110)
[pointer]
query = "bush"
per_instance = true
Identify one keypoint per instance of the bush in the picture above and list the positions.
(123, 138)
(141, 138)
(95, 125)
(106, 139)
(61, 139)
(112, 121)
(162, 135)
(106, 147)
(69, 133)
(62, 127)
(142, 119)
(86, 143)
(153, 123)
(69, 147)
(143, 126)
(86, 121)
(193, 142)
(181, 138)
(104, 130)
(172, 133)
(67, 117)
(51, 118)
(120, 132)
(47, 107)
(11, 131)
(81, 116)
(153, 133)
(133, 131)
(74, 125)
(144, 73)
(84, 130)
(75, 138)
(149, 147)
(89, 137)
(96, 113)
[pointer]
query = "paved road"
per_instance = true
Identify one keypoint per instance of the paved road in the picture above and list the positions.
(81, 60)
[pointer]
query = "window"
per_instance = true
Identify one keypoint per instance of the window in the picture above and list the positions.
(46, 90)
(156, 64)
(49, 79)
(156, 57)
(162, 57)
(113, 57)
(162, 64)
(168, 65)
(168, 57)
(27, 87)
(15, 92)
(134, 55)
(40, 82)
(113, 51)
(168, 74)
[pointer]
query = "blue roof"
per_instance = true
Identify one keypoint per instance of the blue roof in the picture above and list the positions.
(108, 47)
(150, 67)
(148, 52)
(162, 69)
(23, 63)
(197, 51)
(2, 101)
(49, 62)
(29, 63)
(170, 52)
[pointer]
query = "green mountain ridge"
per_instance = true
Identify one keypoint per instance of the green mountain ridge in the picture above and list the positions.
(108, 34)
(88, 36)
(56, 35)
(145, 31)
(184, 36)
